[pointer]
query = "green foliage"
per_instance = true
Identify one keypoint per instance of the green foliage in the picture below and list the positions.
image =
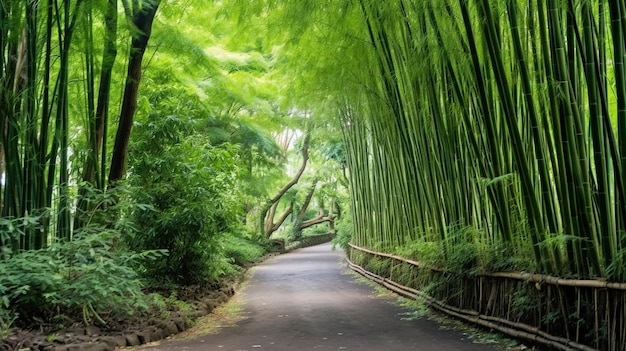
(189, 186)
(618, 266)
(467, 251)
(14, 230)
(82, 276)
(315, 230)
(428, 253)
(462, 258)
(378, 265)
(261, 160)
(7, 315)
(294, 233)
(498, 256)
(243, 251)
(344, 229)
(169, 303)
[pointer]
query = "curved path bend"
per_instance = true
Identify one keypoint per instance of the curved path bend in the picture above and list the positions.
(305, 300)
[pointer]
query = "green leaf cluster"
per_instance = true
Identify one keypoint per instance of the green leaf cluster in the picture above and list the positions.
(190, 185)
(344, 230)
(85, 276)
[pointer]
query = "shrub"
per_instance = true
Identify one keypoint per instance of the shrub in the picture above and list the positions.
(242, 251)
(84, 277)
(189, 186)
(344, 229)
(316, 230)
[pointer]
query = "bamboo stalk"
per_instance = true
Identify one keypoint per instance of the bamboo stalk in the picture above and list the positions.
(487, 126)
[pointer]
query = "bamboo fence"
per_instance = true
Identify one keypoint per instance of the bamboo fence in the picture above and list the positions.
(540, 308)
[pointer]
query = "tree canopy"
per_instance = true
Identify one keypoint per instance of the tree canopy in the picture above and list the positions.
(472, 135)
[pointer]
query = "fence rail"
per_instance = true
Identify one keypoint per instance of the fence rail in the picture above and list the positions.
(564, 314)
(529, 277)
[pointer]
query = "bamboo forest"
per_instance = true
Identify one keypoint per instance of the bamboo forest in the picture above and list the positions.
(468, 153)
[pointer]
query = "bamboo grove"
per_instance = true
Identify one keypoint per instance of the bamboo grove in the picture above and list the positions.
(490, 136)
(497, 123)
(57, 85)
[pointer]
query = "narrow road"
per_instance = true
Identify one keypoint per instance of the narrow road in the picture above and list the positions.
(305, 300)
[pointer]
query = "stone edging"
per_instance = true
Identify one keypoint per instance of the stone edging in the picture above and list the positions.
(93, 338)
(310, 241)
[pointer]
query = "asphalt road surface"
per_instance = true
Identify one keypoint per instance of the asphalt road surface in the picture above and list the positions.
(306, 300)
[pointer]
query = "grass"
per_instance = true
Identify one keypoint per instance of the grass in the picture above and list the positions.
(224, 316)
(380, 291)
(243, 251)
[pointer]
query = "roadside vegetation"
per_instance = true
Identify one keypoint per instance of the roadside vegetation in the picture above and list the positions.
(143, 147)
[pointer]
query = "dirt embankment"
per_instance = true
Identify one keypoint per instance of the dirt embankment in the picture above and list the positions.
(151, 326)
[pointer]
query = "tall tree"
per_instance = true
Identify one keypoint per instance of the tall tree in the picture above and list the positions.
(141, 15)
(268, 222)
(93, 171)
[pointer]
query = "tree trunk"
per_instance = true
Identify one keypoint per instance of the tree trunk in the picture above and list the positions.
(267, 224)
(307, 200)
(320, 218)
(94, 167)
(296, 231)
(271, 226)
(109, 53)
(62, 133)
(142, 19)
(8, 55)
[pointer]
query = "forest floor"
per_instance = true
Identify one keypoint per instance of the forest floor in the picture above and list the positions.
(308, 300)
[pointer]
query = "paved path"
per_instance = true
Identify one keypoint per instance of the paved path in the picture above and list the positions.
(305, 300)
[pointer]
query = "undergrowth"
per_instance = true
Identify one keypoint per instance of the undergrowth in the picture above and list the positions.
(84, 277)
(243, 251)
(92, 279)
